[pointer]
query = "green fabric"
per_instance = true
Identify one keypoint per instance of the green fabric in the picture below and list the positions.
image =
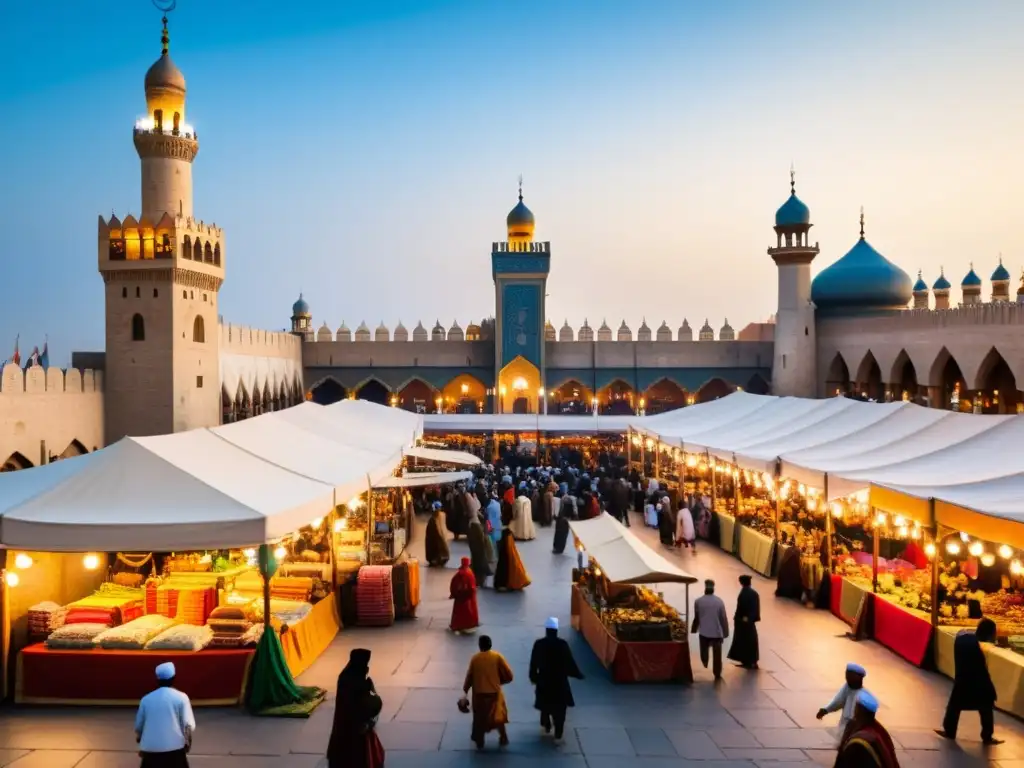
(314, 697)
(267, 561)
(271, 684)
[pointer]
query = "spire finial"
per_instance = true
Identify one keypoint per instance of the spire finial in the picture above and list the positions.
(942, 271)
(1000, 258)
(166, 6)
(520, 187)
(792, 179)
(862, 222)
(165, 39)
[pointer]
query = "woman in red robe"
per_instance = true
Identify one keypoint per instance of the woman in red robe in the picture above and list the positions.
(465, 615)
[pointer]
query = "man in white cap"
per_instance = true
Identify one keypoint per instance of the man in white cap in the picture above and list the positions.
(846, 699)
(164, 723)
(551, 666)
(866, 744)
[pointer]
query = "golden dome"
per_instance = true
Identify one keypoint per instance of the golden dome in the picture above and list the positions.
(520, 221)
(165, 85)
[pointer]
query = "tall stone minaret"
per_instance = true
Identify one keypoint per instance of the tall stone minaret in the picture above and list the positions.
(162, 274)
(794, 367)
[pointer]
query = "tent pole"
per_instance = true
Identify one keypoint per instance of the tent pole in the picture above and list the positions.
(711, 469)
(828, 530)
(936, 540)
(657, 460)
(333, 538)
(874, 551)
(369, 518)
(629, 448)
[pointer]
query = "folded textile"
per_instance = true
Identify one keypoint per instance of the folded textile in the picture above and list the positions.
(135, 634)
(90, 616)
(181, 637)
(75, 636)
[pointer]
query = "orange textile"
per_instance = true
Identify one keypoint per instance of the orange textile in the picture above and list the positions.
(306, 640)
(414, 581)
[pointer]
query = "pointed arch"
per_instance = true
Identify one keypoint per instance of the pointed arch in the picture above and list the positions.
(186, 247)
(837, 380)
(616, 398)
(996, 385)
(216, 255)
(327, 392)
(199, 330)
(572, 397)
(417, 395)
(663, 395)
(758, 385)
(869, 378)
(946, 376)
(229, 412)
(713, 389)
(374, 391)
(14, 462)
(197, 250)
(903, 378)
(74, 448)
(464, 393)
(208, 253)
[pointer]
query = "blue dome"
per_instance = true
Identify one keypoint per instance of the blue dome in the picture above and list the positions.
(793, 213)
(971, 279)
(920, 286)
(942, 284)
(300, 307)
(863, 279)
(519, 215)
(1001, 272)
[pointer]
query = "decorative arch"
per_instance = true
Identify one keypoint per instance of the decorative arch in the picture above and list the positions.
(257, 401)
(616, 398)
(199, 329)
(663, 395)
(327, 392)
(186, 247)
(757, 385)
(138, 328)
(416, 395)
(75, 448)
(464, 394)
(869, 378)
(837, 380)
(903, 379)
(374, 391)
(572, 397)
(208, 253)
(229, 412)
(518, 386)
(945, 375)
(197, 250)
(14, 462)
(713, 389)
(996, 385)
(216, 255)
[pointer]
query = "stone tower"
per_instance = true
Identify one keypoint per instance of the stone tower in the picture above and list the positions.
(162, 272)
(794, 366)
(520, 269)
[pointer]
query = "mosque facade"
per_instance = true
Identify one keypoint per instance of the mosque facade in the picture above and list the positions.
(861, 328)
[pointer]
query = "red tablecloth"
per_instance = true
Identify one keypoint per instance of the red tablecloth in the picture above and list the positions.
(901, 631)
(631, 662)
(100, 677)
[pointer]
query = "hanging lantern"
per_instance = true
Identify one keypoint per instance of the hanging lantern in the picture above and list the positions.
(1005, 552)
(953, 547)
(976, 548)
(988, 559)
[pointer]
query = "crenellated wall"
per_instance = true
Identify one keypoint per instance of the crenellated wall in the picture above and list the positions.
(45, 412)
(253, 360)
(928, 337)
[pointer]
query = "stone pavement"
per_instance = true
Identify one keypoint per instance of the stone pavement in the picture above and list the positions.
(763, 718)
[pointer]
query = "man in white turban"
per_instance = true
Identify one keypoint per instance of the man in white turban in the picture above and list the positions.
(164, 723)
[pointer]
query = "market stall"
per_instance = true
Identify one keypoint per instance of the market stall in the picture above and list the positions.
(633, 632)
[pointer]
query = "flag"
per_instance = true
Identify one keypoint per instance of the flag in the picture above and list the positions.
(16, 359)
(44, 359)
(33, 359)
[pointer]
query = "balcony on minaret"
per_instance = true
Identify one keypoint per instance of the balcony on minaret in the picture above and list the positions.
(157, 125)
(139, 243)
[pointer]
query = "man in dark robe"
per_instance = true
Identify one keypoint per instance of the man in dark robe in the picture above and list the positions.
(435, 544)
(744, 648)
(353, 742)
(547, 504)
(666, 523)
(866, 744)
(566, 512)
(972, 684)
(551, 666)
(481, 552)
(458, 514)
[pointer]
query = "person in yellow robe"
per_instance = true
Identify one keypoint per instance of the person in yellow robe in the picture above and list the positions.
(510, 574)
(488, 672)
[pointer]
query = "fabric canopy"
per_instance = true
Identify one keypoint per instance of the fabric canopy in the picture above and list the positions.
(356, 423)
(442, 456)
(525, 422)
(622, 556)
(421, 479)
(672, 427)
(191, 490)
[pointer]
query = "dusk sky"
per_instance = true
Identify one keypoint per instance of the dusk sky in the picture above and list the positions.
(366, 153)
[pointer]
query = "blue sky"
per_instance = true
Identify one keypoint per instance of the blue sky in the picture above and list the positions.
(366, 153)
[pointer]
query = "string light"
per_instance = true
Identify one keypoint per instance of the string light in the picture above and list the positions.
(898, 520)
(988, 559)
(22, 561)
(880, 519)
(964, 537)
(929, 549)
(953, 547)
(976, 548)
(1016, 568)
(1005, 552)
(317, 523)
(249, 553)
(280, 553)
(340, 525)
(12, 579)
(91, 562)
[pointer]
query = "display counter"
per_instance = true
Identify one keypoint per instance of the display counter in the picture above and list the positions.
(755, 550)
(99, 677)
(640, 662)
(850, 601)
(306, 640)
(726, 532)
(905, 632)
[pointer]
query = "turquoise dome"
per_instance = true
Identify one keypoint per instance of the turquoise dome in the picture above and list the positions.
(300, 307)
(971, 279)
(861, 280)
(519, 215)
(920, 286)
(793, 213)
(942, 284)
(1001, 273)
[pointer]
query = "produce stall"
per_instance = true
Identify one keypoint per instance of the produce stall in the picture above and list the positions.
(635, 634)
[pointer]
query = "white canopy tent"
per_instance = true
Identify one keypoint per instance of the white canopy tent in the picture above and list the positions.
(366, 426)
(622, 556)
(191, 490)
(525, 422)
(423, 479)
(442, 456)
(673, 426)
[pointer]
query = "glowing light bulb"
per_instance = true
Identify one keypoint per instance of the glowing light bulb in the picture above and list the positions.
(249, 553)
(317, 523)
(880, 519)
(1016, 568)
(903, 531)
(929, 549)
(801, 489)
(12, 579)
(964, 537)
(811, 504)
(976, 548)
(988, 559)
(898, 520)
(280, 553)
(340, 525)
(22, 561)
(1005, 552)
(354, 503)
(91, 562)
(837, 509)
(953, 547)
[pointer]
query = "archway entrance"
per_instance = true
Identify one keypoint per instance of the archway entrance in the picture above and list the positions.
(869, 379)
(15, 462)
(464, 394)
(374, 392)
(953, 394)
(572, 397)
(663, 395)
(757, 385)
(997, 385)
(617, 399)
(417, 396)
(714, 389)
(518, 387)
(904, 380)
(837, 381)
(327, 392)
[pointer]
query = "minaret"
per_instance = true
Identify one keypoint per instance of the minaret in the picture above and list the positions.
(162, 274)
(794, 367)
